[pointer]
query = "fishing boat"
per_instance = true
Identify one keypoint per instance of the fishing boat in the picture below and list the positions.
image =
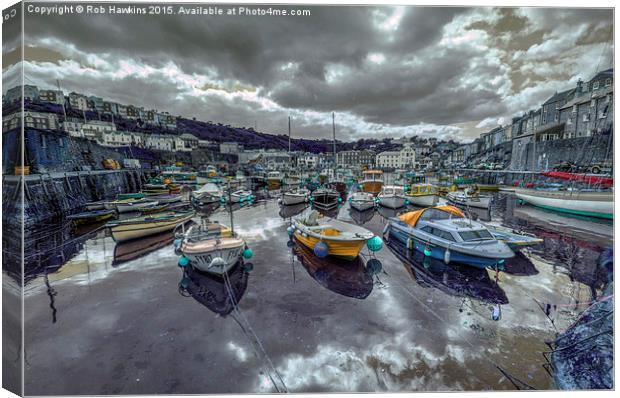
(330, 237)
(90, 217)
(292, 180)
(123, 196)
(339, 185)
(598, 204)
(469, 198)
(170, 198)
(241, 195)
(99, 205)
(155, 191)
(295, 196)
(208, 193)
(129, 205)
(362, 201)
(444, 233)
(211, 247)
(325, 198)
(155, 209)
(155, 183)
(274, 179)
(372, 181)
(422, 195)
(392, 196)
(516, 240)
(139, 227)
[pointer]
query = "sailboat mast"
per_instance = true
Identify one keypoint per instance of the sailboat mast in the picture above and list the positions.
(334, 131)
(289, 135)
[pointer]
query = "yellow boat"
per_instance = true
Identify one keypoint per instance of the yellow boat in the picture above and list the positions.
(139, 227)
(341, 239)
(372, 181)
(423, 195)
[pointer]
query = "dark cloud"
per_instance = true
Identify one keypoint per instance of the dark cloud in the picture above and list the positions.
(431, 67)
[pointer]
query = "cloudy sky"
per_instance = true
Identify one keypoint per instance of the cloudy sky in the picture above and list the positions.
(384, 71)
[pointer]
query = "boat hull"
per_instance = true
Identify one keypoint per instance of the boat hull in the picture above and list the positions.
(129, 207)
(215, 258)
(362, 205)
(478, 202)
(423, 200)
(392, 202)
(583, 204)
(438, 252)
(288, 199)
(129, 231)
(348, 250)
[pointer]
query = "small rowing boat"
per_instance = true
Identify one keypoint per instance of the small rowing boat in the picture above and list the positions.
(362, 201)
(330, 237)
(598, 204)
(129, 205)
(155, 209)
(89, 217)
(139, 227)
(136, 195)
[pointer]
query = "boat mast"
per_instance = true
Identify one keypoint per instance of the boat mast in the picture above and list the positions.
(232, 225)
(334, 132)
(289, 135)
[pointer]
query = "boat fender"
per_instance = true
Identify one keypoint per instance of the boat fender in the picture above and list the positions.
(183, 262)
(184, 284)
(374, 244)
(290, 231)
(248, 253)
(321, 250)
(410, 244)
(339, 200)
(177, 246)
(247, 267)
(446, 256)
(427, 251)
(497, 312)
(407, 203)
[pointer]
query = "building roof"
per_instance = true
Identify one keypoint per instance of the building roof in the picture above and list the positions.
(560, 96)
(603, 74)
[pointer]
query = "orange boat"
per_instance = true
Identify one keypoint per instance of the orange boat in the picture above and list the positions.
(372, 181)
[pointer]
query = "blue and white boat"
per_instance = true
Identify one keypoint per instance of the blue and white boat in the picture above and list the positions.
(444, 233)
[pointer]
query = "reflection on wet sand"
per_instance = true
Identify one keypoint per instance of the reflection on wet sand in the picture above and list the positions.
(361, 217)
(288, 211)
(347, 278)
(219, 295)
(454, 280)
(133, 249)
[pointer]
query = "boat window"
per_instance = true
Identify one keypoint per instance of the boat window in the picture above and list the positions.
(480, 234)
(439, 233)
(436, 214)
(422, 189)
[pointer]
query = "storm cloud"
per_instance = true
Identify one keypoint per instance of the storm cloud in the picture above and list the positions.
(385, 71)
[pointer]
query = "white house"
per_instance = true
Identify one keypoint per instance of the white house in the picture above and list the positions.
(405, 158)
(93, 129)
(159, 141)
(308, 161)
(78, 101)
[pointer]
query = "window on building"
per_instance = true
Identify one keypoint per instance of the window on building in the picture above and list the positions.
(586, 117)
(574, 108)
(592, 103)
(595, 85)
(608, 82)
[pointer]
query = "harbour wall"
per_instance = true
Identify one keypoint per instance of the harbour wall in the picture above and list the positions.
(49, 196)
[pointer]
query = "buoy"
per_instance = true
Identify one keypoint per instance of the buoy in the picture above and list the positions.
(339, 200)
(248, 253)
(290, 231)
(427, 251)
(184, 282)
(374, 266)
(407, 203)
(247, 267)
(374, 244)
(446, 256)
(321, 250)
(183, 261)
(177, 246)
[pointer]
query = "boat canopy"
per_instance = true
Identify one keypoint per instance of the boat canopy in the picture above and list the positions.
(590, 179)
(438, 212)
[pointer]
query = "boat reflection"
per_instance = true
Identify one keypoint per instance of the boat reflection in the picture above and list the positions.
(133, 249)
(520, 265)
(288, 211)
(205, 209)
(219, 295)
(386, 212)
(361, 217)
(454, 280)
(347, 278)
(331, 213)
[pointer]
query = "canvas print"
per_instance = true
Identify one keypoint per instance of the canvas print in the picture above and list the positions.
(210, 198)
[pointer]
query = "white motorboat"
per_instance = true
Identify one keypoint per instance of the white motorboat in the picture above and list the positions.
(469, 199)
(241, 195)
(362, 201)
(295, 196)
(584, 203)
(211, 247)
(208, 193)
(444, 233)
(392, 196)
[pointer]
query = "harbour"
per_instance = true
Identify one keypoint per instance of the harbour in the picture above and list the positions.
(401, 324)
